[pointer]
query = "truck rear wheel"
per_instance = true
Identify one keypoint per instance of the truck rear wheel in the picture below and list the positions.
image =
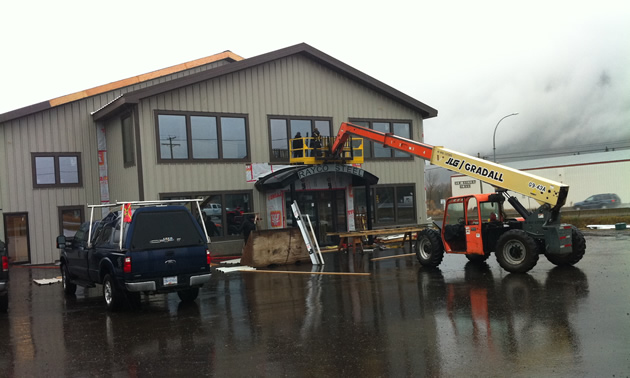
(579, 248)
(4, 303)
(68, 287)
(111, 293)
(188, 295)
(429, 249)
(516, 251)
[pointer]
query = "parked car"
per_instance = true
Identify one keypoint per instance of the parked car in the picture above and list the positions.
(212, 210)
(152, 249)
(4, 279)
(599, 201)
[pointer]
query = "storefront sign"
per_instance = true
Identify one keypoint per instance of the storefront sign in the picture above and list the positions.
(465, 184)
(330, 168)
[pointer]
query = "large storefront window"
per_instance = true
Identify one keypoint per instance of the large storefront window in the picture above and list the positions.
(390, 205)
(201, 136)
(378, 151)
(282, 129)
(224, 213)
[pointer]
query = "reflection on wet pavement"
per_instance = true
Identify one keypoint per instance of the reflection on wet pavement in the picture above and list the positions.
(401, 320)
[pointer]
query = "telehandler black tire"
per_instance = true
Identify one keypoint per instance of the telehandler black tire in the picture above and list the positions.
(429, 249)
(477, 258)
(516, 251)
(579, 248)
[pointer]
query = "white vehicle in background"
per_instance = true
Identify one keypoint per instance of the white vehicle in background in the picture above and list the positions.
(213, 210)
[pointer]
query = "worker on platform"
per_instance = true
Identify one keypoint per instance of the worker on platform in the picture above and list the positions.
(298, 145)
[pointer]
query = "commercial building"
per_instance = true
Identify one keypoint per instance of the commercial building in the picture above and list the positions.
(215, 129)
(586, 174)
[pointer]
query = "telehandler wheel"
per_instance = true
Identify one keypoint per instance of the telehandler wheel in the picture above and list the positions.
(516, 251)
(579, 248)
(429, 248)
(477, 258)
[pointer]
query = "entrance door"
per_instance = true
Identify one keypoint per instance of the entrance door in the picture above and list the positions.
(326, 210)
(332, 213)
(16, 231)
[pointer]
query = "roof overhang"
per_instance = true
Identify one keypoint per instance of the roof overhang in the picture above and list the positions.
(282, 178)
(299, 49)
(236, 64)
(227, 56)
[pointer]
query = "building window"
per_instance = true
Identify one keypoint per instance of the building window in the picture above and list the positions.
(70, 219)
(56, 169)
(127, 141)
(201, 136)
(282, 129)
(378, 151)
(224, 213)
(390, 204)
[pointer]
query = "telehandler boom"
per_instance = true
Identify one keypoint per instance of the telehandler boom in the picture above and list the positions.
(476, 225)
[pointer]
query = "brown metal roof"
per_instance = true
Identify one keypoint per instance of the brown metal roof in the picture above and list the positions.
(226, 55)
(302, 48)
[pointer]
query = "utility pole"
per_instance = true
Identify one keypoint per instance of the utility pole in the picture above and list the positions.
(171, 144)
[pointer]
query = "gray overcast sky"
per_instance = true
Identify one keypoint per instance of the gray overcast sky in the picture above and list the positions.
(564, 66)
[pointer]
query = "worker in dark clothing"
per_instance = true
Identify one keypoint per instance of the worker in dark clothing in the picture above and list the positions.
(248, 226)
(298, 145)
(317, 142)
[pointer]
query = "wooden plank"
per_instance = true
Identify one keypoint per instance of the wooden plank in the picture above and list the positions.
(143, 77)
(300, 272)
(392, 257)
(382, 231)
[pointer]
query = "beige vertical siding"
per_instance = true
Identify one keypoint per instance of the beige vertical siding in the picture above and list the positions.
(123, 182)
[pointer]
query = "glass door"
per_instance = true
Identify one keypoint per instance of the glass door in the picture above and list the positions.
(326, 210)
(16, 231)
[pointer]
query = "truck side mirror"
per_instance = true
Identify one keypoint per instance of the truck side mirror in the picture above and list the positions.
(61, 241)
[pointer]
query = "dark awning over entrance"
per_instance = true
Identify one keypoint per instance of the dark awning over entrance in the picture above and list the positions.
(284, 177)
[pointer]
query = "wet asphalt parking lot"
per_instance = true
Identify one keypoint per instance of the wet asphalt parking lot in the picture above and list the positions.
(401, 320)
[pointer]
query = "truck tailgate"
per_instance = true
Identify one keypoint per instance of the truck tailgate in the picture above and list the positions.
(168, 261)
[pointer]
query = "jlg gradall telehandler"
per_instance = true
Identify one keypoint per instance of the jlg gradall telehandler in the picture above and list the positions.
(476, 225)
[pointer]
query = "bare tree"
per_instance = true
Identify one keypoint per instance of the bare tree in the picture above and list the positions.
(437, 189)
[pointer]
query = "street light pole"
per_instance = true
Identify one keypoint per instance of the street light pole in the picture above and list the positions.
(494, 149)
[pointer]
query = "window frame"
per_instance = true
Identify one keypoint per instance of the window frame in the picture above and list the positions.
(56, 156)
(222, 194)
(368, 145)
(288, 119)
(189, 141)
(62, 209)
(128, 141)
(374, 208)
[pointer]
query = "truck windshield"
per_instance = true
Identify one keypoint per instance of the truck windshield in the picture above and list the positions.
(169, 229)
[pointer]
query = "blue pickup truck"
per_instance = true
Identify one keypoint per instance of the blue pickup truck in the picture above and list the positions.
(152, 248)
